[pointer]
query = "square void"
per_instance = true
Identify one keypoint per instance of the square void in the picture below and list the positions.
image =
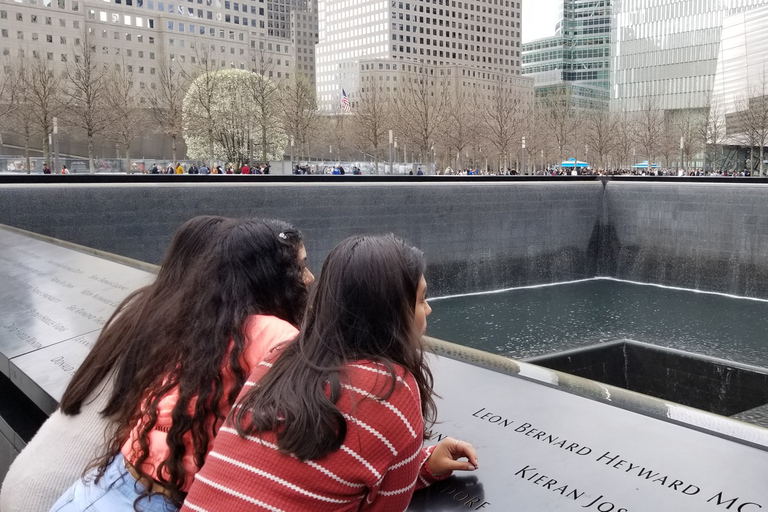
(714, 385)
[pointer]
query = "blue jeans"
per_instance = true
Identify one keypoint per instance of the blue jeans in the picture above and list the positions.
(115, 491)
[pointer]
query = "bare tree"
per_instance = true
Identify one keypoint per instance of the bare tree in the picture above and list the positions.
(649, 123)
(689, 125)
(502, 115)
(559, 119)
(265, 96)
(9, 88)
(421, 105)
(625, 142)
(600, 134)
(300, 115)
(127, 114)
(668, 145)
(337, 132)
(714, 133)
(44, 91)
(87, 79)
(370, 122)
(166, 99)
(462, 123)
(754, 119)
(20, 119)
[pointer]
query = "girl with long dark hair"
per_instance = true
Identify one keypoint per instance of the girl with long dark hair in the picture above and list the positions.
(74, 434)
(192, 348)
(335, 420)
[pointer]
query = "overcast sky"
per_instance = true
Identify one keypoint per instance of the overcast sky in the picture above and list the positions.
(539, 18)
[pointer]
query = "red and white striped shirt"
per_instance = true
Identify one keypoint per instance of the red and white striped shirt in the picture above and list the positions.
(378, 467)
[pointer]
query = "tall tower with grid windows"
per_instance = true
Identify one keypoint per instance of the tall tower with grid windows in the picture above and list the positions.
(478, 35)
(576, 60)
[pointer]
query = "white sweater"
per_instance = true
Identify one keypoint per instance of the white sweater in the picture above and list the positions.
(56, 457)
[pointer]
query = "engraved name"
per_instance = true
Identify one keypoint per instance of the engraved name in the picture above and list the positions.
(107, 282)
(65, 267)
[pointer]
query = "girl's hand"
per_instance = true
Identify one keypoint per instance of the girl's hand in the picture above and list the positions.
(445, 457)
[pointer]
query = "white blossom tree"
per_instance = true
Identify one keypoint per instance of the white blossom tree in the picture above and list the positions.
(234, 118)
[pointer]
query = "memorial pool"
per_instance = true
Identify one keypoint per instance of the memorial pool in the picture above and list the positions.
(528, 322)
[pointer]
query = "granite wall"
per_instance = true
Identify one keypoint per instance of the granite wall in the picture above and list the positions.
(706, 236)
(477, 235)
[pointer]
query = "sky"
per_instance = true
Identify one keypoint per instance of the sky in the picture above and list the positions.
(539, 18)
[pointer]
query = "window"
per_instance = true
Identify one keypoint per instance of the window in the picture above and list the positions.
(62, 40)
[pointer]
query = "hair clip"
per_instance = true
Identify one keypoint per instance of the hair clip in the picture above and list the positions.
(283, 236)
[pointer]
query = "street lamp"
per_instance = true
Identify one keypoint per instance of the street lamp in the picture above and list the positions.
(391, 170)
(523, 160)
(291, 153)
(55, 145)
(434, 161)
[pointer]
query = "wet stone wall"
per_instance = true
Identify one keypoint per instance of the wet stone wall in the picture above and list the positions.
(703, 236)
(477, 236)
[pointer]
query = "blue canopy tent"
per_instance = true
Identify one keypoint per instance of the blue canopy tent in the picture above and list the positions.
(572, 162)
(644, 165)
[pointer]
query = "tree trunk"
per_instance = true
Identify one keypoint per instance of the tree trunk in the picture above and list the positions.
(46, 151)
(210, 147)
(173, 147)
(128, 158)
(26, 151)
(91, 166)
(264, 155)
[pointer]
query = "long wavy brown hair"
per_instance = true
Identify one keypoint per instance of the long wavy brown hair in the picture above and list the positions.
(189, 243)
(188, 333)
(361, 308)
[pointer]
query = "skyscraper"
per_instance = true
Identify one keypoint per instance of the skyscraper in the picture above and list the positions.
(666, 52)
(482, 35)
(576, 60)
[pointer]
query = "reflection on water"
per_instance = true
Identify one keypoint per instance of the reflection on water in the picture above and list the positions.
(531, 322)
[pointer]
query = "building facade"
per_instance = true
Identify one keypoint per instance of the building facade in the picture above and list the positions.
(576, 60)
(666, 52)
(139, 36)
(481, 35)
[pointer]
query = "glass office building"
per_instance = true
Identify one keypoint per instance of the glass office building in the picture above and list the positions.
(666, 51)
(741, 78)
(577, 59)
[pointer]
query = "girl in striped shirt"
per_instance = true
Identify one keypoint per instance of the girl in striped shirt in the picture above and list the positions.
(335, 420)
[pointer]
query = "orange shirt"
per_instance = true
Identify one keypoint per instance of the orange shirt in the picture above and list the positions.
(262, 334)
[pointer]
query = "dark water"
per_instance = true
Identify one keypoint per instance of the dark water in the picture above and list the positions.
(531, 322)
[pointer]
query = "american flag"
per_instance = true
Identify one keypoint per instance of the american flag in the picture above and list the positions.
(344, 102)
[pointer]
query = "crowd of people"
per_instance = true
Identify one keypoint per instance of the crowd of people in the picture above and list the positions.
(566, 171)
(237, 382)
(204, 169)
